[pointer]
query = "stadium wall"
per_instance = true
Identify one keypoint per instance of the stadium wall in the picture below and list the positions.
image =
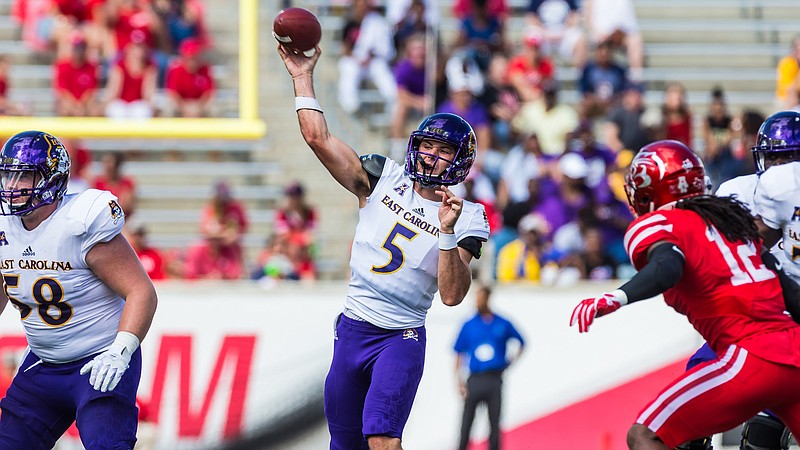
(224, 361)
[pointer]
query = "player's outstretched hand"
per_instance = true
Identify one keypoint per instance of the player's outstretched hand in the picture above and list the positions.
(299, 64)
(108, 367)
(589, 308)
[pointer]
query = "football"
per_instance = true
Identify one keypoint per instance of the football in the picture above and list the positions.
(297, 30)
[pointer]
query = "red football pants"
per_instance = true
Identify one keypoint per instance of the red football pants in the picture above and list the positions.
(719, 395)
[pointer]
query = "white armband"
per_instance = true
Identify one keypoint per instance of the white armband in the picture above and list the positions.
(307, 103)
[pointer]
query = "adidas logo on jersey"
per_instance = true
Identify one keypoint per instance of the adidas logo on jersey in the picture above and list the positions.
(28, 252)
(419, 211)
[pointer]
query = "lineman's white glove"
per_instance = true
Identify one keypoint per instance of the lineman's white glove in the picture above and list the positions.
(108, 367)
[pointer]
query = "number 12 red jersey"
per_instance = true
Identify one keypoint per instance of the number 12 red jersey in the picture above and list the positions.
(726, 292)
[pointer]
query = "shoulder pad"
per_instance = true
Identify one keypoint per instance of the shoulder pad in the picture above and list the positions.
(373, 164)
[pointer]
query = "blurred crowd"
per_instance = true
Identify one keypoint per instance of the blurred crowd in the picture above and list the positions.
(118, 58)
(219, 252)
(550, 173)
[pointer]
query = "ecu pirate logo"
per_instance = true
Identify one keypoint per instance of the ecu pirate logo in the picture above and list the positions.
(116, 211)
(3, 240)
(795, 216)
(410, 333)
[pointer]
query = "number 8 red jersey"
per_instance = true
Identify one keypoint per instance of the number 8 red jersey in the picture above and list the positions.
(726, 292)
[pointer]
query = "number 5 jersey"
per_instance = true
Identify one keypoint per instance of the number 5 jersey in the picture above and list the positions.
(395, 255)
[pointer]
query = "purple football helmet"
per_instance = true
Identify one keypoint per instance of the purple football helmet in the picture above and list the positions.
(42, 158)
(778, 140)
(450, 129)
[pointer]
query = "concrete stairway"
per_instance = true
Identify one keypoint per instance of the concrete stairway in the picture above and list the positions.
(700, 43)
(174, 176)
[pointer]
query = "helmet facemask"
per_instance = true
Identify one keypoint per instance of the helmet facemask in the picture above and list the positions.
(20, 190)
(423, 171)
(767, 158)
(34, 170)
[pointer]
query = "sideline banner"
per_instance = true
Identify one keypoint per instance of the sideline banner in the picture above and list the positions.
(223, 359)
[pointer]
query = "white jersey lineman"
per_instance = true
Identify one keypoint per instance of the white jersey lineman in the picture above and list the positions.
(386, 289)
(743, 188)
(68, 313)
(777, 201)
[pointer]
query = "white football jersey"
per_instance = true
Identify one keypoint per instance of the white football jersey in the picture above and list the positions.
(395, 255)
(741, 188)
(67, 312)
(777, 201)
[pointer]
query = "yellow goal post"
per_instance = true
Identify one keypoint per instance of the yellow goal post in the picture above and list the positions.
(247, 126)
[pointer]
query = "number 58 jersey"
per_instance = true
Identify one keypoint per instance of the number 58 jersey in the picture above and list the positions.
(67, 312)
(726, 292)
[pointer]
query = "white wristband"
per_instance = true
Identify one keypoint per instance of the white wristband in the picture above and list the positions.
(125, 340)
(447, 241)
(307, 103)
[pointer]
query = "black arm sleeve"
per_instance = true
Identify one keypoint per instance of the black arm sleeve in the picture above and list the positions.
(791, 290)
(471, 244)
(663, 271)
(373, 164)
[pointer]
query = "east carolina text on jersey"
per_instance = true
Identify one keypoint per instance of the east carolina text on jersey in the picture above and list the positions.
(22, 264)
(411, 217)
(66, 310)
(392, 284)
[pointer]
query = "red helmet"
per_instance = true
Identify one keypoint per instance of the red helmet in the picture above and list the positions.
(661, 174)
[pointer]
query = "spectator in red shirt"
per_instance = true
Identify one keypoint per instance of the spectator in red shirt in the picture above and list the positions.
(132, 83)
(297, 219)
(151, 258)
(112, 179)
(190, 85)
(130, 18)
(295, 223)
(529, 69)
(223, 224)
(676, 120)
(75, 82)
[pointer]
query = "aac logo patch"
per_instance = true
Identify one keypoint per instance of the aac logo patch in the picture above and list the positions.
(116, 211)
(401, 189)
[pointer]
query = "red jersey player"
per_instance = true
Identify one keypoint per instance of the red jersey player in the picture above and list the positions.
(705, 255)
